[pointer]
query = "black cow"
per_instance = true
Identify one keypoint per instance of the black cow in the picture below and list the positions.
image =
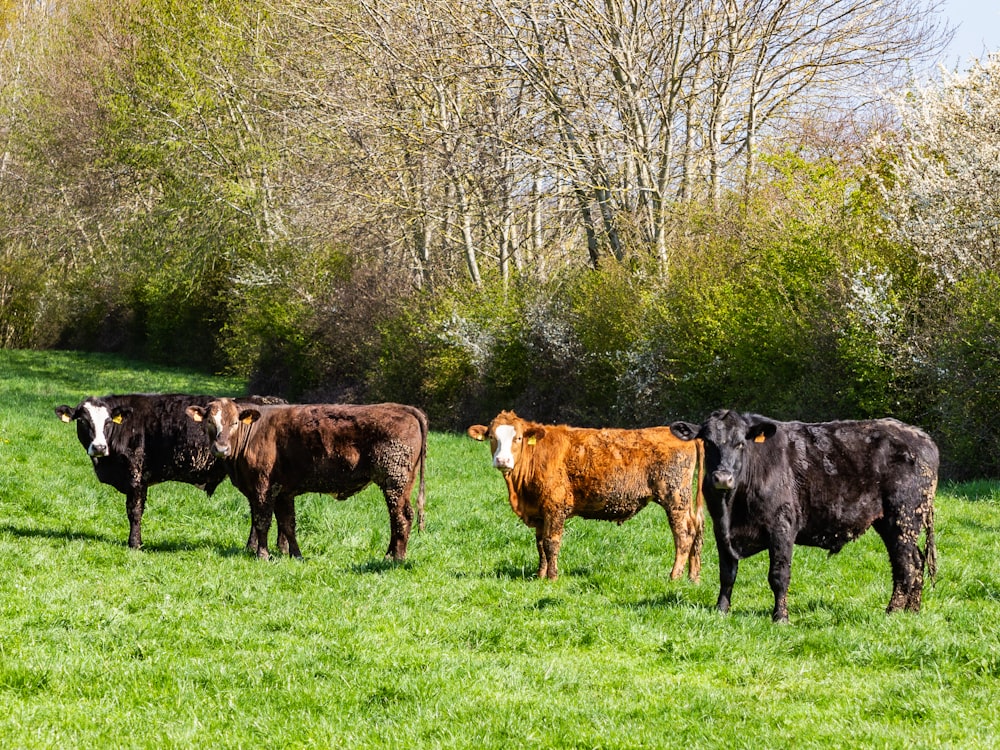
(771, 485)
(137, 440)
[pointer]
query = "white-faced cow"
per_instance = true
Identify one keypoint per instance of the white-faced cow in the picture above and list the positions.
(554, 472)
(771, 485)
(139, 439)
(275, 453)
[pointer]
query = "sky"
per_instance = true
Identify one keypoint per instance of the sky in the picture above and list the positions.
(978, 31)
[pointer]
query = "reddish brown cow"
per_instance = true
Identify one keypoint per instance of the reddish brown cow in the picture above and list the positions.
(555, 472)
(275, 453)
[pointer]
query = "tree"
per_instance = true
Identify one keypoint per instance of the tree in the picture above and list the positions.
(943, 195)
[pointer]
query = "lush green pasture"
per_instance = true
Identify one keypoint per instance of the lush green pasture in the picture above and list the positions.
(190, 642)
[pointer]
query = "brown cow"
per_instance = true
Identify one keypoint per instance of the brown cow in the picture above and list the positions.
(555, 472)
(275, 453)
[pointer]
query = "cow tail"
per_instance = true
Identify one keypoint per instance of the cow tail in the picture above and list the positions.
(421, 494)
(930, 550)
(698, 506)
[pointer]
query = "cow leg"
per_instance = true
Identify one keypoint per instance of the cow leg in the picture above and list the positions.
(252, 539)
(543, 560)
(284, 513)
(261, 509)
(549, 537)
(679, 514)
(907, 565)
(779, 575)
(135, 504)
(694, 562)
(728, 567)
(397, 501)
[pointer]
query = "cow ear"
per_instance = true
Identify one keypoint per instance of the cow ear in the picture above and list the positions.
(65, 413)
(533, 434)
(197, 413)
(119, 413)
(249, 416)
(685, 430)
(477, 432)
(761, 431)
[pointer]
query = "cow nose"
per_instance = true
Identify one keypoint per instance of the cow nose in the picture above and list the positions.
(504, 464)
(98, 450)
(221, 451)
(723, 480)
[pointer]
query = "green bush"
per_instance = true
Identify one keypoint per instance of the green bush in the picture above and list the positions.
(426, 361)
(966, 363)
(22, 289)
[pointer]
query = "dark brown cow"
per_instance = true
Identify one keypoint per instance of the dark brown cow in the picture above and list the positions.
(555, 472)
(275, 453)
(771, 485)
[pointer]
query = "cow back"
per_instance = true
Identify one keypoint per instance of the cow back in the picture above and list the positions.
(835, 479)
(158, 442)
(606, 474)
(333, 448)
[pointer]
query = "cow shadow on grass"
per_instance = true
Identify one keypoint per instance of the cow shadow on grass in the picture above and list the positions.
(66, 535)
(381, 565)
(687, 599)
(513, 572)
(668, 599)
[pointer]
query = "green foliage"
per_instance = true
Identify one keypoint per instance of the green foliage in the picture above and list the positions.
(174, 191)
(966, 362)
(426, 359)
(22, 286)
(192, 643)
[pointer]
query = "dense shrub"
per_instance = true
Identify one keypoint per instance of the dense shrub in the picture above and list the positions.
(22, 287)
(426, 359)
(964, 360)
(313, 331)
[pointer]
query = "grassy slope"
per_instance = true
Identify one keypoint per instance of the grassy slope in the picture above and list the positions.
(190, 642)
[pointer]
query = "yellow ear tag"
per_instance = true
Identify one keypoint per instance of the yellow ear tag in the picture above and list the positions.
(66, 418)
(247, 420)
(117, 419)
(759, 439)
(532, 440)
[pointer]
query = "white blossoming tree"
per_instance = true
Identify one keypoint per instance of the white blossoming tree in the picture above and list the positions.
(943, 201)
(944, 198)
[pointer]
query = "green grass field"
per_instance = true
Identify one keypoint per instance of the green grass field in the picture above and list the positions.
(191, 643)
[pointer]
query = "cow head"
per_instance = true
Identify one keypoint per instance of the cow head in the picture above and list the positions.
(728, 438)
(222, 420)
(726, 435)
(507, 434)
(96, 421)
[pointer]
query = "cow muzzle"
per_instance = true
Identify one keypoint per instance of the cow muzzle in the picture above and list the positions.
(220, 451)
(505, 467)
(97, 450)
(723, 480)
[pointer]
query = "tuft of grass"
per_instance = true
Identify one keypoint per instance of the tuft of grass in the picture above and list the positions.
(190, 642)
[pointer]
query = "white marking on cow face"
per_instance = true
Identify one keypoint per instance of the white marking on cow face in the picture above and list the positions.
(99, 417)
(217, 425)
(503, 454)
(220, 444)
(221, 424)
